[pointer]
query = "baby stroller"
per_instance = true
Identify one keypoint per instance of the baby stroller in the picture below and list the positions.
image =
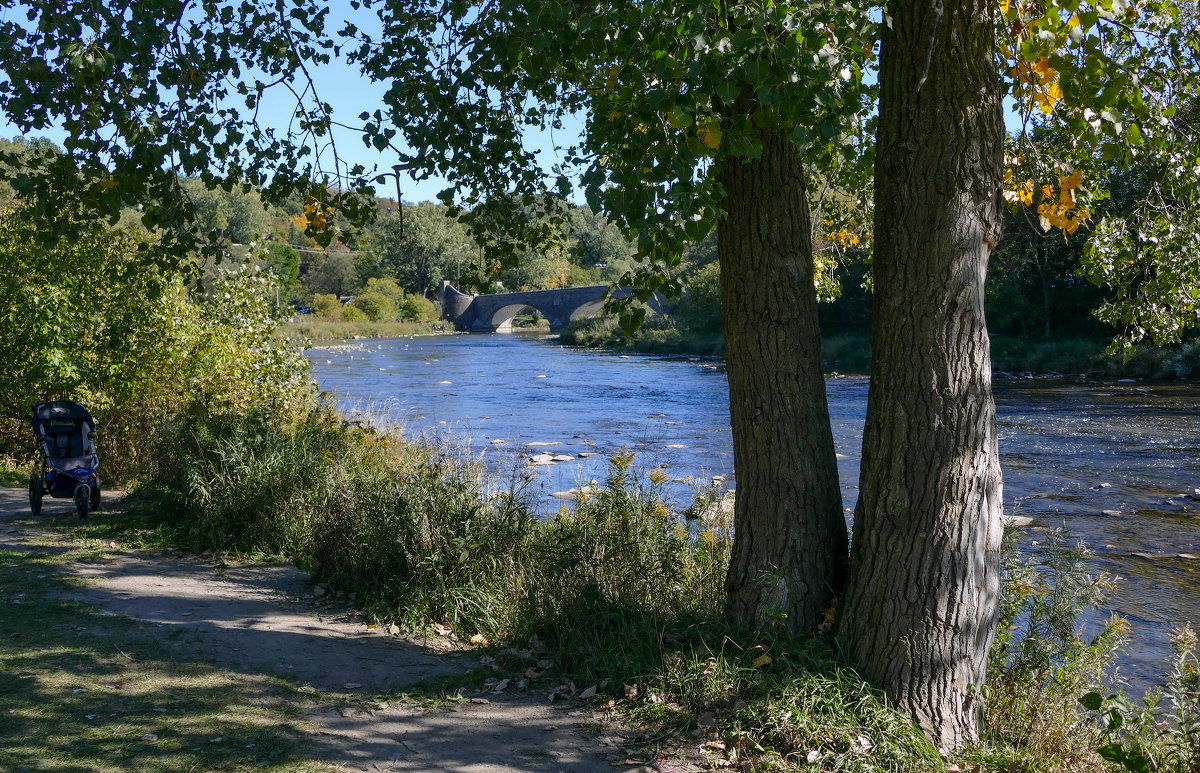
(67, 457)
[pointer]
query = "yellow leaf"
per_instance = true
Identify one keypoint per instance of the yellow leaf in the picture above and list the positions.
(1025, 192)
(1047, 191)
(761, 661)
(1071, 181)
(709, 136)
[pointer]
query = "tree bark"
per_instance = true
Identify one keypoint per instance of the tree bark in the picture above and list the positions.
(920, 607)
(790, 553)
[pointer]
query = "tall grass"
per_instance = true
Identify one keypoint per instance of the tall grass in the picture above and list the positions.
(315, 329)
(624, 592)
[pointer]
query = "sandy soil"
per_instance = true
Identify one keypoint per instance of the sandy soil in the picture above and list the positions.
(268, 619)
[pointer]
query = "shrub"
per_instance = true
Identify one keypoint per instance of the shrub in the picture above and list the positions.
(418, 309)
(327, 306)
(1041, 661)
(353, 314)
(377, 306)
(699, 310)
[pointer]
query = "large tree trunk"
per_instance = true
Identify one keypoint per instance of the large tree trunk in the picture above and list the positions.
(920, 607)
(789, 553)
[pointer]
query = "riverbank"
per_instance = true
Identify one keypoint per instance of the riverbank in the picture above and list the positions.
(121, 653)
(302, 329)
(850, 353)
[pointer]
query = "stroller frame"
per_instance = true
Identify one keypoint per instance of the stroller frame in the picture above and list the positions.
(67, 464)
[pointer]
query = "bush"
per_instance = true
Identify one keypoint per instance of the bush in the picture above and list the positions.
(326, 306)
(377, 306)
(91, 324)
(418, 309)
(404, 528)
(699, 310)
(1041, 662)
(353, 314)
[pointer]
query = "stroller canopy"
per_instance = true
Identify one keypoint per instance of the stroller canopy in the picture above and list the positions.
(64, 429)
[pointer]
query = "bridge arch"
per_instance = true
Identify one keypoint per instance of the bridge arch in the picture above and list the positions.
(494, 313)
(585, 310)
(502, 318)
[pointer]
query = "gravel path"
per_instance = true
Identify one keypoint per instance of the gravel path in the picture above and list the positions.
(267, 619)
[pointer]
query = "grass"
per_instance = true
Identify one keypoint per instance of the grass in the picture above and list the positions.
(14, 472)
(619, 591)
(85, 691)
(330, 330)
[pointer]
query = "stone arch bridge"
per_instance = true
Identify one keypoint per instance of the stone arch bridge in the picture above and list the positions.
(494, 313)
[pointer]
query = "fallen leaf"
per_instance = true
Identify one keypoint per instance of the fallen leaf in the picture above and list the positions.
(707, 719)
(588, 693)
(442, 630)
(761, 661)
(716, 745)
(480, 700)
(149, 737)
(352, 685)
(479, 640)
(500, 686)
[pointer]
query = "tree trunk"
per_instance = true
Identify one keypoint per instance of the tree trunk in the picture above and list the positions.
(920, 607)
(789, 553)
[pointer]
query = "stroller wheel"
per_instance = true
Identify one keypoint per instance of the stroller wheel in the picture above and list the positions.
(83, 498)
(94, 502)
(35, 493)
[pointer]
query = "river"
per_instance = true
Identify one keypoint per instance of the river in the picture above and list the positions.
(1116, 464)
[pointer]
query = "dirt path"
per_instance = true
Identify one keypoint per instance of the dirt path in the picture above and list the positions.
(265, 619)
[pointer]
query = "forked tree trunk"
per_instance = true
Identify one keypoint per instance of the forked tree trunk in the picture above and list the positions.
(789, 553)
(920, 607)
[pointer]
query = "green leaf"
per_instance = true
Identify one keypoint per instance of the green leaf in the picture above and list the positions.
(1092, 701)
(1113, 752)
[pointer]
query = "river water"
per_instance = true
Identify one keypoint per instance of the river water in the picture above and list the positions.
(1116, 464)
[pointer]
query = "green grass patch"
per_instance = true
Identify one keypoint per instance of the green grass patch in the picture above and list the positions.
(85, 691)
(14, 472)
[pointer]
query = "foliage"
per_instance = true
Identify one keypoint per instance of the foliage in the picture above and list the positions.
(377, 306)
(418, 309)
(307, 329)
(468, 81)
(326, 306)
(235, 216)
(331, 273)
(1121, 79)
(85, 322)
(151, 94)
(700, 308)
(1163, 734)
(426, 246)
(283, 261)
(1041, 660)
